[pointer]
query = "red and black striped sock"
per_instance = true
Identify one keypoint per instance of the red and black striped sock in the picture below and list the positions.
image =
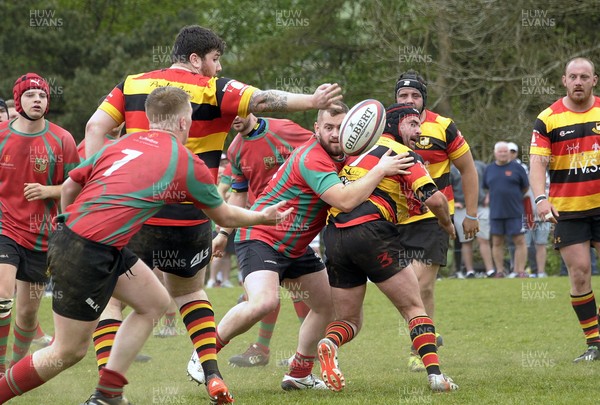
(340, 332)
(199, 319)
(422, 333)
(104, 339)
(585, 308)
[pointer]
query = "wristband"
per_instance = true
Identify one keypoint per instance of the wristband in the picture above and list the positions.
(470, 217)
(225, 233)
(540, 198)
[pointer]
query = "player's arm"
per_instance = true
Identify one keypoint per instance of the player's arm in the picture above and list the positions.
(346, 197)
(229, 216)
(98, 125)
(236, 199)
(70, 191)
(470, 184)
(437, 203)
(277, 100)
(537, 181)
(36, 191)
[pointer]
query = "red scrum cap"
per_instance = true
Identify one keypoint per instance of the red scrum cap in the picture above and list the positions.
(27, 82)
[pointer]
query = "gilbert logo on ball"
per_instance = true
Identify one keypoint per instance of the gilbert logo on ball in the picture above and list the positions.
(362, 126)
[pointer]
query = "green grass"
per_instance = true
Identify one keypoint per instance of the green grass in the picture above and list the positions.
(506, 342)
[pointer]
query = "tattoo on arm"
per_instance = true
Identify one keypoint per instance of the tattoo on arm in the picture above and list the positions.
(269, 100)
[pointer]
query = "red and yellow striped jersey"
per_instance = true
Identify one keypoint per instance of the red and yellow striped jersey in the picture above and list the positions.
(215, 104)
(395, 198)
(439, 144)
(572, 140)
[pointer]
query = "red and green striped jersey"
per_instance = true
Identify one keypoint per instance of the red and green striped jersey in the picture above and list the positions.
(394, 199)
(46, 158)
(255, 158)
(572, 140)
(129, 180)
(439, 144)
(301, 180)
(215, 103)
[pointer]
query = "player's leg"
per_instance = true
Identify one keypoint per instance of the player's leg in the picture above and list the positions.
(401, 291)
(31, 283)
(167, 325)
(258, 353)
(262, 289)
(8, 273)
(348, 287)
(149, 300)
(317, 296)
(106, 330)
(199, 318)
(572, 237)
(28, 299)
(347, 303)
(70, 345)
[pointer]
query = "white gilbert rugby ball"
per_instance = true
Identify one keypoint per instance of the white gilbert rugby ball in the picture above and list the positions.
(362, 126)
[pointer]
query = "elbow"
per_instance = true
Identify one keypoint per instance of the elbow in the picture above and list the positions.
(346, 206)
(437, 202)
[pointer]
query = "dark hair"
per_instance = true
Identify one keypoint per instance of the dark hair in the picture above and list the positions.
(195, 39)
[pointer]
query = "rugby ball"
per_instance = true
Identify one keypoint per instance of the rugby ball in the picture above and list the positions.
(362, 126)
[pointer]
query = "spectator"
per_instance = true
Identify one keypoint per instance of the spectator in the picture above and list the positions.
(506, 181)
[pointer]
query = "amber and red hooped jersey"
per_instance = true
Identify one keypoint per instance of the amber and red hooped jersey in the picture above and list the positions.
(439, 144)
(572, 141)
(395, 199)
(215, 104)
(47, 158)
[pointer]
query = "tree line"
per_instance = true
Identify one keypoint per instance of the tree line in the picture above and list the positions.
(491, 65)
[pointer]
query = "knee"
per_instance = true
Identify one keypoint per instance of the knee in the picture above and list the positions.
(580, 278)
(426, 289)
(70, 354)
(262, 306)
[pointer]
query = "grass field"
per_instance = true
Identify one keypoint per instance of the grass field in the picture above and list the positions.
(507, 341)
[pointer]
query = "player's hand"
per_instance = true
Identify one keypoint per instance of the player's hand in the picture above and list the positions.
(449, 228)
(393, 165)
(470, 227)
(547, 212)
(273, 214)
(219, 243)
(35, 191)
(326, 94)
